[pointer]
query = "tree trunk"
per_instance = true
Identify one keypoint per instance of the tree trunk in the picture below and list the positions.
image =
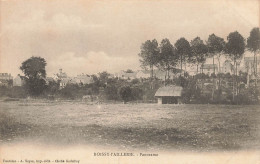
(181, 64)
(151, 69)
(168, 73)
(202, 81)
(234, 72)
(236, 81)
(255, 67)
(213, 65)
(219, 85)
(219, 65)
(213, 89)
(248, 80)
(165, 77)
(256, 70)
(185, 67)
(151, 76)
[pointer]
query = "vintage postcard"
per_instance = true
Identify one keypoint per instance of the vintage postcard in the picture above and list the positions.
(129, 81)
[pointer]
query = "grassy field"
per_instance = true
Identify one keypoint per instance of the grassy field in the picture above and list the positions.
(132, 126)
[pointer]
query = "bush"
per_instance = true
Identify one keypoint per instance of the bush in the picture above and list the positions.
(191, 92)
(70, 91)
(14, 92)
(137, 93)
(125, 93)
(111, 92)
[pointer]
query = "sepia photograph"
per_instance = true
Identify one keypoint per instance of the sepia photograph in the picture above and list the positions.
(129, 81)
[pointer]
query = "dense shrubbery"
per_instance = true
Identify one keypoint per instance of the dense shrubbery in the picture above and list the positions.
(14, 92)
(143, 90)
(195, 90)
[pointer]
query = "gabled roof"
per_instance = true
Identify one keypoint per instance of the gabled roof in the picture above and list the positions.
(21, 77)
(65, 80)
(144, 71)
(209, 66)
(130, 74)
(49, 79)
(251, 58)
(227, 61)
(170, 90)
(3, 81)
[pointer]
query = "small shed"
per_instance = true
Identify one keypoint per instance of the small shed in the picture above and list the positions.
(169, 94)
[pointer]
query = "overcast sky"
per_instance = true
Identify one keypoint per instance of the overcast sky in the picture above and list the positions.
(92, 36)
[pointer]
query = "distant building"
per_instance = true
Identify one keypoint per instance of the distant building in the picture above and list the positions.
(4, 82)
(250, 65)
(64, 82)
(169, 94)
(126, 75)
(143, 74)
(79, 79)
(83, 79)
(19, 80)
(227, 67)
(209, 69)
(59, 76)
(159, 74)
(5, 76)
(48, 80)
(192, 72)
(62, 78)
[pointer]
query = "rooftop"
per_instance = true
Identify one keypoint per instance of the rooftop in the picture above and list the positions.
(251, 59)
(170, 90)
(209, 66)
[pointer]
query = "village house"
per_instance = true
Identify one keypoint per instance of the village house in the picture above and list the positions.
(19, 80)
(169, 94)
(209, 69)
(227, 67)
(143, 74)
(48, 80)
(159, 74)
(64, 82)
(126, 75)
(4, 83)
(250, 65)
(83, 79)
(6, 79)
(5, 76)
(59, 76)
(62, 78)
(79, 79)
(192, 72)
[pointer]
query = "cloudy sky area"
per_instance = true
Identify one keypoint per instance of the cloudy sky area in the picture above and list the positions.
(101, 35)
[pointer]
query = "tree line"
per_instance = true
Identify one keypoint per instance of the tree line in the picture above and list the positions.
(168, 57)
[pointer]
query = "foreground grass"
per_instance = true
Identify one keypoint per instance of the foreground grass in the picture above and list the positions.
(140, 126)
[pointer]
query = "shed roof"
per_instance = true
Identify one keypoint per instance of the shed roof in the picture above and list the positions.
(250, 59)
(3, 81)
(171, 90)
(209, 66)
